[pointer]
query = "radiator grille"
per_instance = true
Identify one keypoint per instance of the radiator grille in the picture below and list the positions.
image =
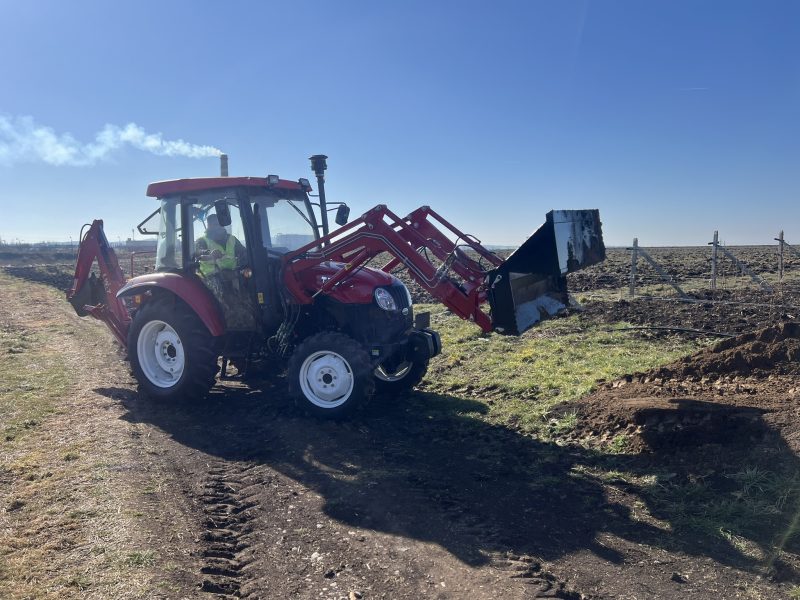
(400, 295)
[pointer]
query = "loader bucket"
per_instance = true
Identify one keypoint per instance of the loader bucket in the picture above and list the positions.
(531, 284)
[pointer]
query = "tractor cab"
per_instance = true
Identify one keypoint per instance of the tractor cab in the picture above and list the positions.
(266, 219)
(231, 233)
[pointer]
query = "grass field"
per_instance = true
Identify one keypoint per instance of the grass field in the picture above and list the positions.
(522, 378)
(65, 517)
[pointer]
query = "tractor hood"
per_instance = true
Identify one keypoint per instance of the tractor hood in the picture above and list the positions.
(358, 288)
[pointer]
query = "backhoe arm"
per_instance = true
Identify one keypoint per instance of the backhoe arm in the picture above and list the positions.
(97, 296)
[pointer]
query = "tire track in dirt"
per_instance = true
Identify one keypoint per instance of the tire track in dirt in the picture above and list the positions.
(539, 582)
(267, 532)
(227, 509)
(268, 529)
(542, 583)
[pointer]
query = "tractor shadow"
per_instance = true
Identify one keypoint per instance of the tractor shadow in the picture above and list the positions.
(423, 467)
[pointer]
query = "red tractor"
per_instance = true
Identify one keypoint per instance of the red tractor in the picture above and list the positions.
(278, 290)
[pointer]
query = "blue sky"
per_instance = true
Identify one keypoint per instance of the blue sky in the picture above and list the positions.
(674, 118)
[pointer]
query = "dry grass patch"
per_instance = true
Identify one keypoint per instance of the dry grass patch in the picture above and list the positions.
(66, 528)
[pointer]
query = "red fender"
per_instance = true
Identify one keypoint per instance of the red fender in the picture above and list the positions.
(189, 289)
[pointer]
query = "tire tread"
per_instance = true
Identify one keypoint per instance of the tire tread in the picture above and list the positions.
(201, 347)
(359, 363)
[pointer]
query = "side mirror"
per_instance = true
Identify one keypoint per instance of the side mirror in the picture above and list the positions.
(342, 214)
(223, 212)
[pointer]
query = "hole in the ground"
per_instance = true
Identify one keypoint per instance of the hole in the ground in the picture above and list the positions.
(683, 423)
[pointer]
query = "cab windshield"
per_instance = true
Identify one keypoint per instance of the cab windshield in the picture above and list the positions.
(286, 223)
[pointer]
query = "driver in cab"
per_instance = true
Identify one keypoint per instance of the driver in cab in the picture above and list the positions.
(220, 255)
(218, 250)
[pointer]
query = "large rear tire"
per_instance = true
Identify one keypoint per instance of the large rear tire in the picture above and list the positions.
(402, 378)
(330, 375)
(172, 353)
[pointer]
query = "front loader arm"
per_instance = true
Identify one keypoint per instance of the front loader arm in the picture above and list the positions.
(420, 221)
(95, 296)
(379, 231)
(522, 290)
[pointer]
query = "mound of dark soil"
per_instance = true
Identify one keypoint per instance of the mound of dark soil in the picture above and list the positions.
(704, 316)
(769, 351)
(742, 391)
(653, 423)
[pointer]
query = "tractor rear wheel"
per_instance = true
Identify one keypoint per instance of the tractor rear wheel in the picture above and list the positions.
(330, 375)
(406, 375)
(172, 353)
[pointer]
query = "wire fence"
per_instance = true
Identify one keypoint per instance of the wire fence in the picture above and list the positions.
(137, 263)
(767, 275)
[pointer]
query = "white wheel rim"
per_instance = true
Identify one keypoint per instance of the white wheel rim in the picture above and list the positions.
(402, 370)
(160, 353)
(326, 379)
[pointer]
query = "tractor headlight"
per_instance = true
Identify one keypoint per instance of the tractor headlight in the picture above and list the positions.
(384, 299)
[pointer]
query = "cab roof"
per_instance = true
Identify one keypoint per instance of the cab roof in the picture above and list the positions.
(175, 187)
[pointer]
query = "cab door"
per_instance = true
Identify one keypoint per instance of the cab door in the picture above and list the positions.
(224, 261)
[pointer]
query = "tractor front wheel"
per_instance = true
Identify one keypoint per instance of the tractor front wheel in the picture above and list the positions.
(172, 353)
(403, 377)
(330, 375)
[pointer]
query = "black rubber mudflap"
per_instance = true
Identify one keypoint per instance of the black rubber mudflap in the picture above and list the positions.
(531, 284)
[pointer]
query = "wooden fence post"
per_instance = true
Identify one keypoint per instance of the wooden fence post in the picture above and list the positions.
(780, 256)
(634, 257)
(714, 246)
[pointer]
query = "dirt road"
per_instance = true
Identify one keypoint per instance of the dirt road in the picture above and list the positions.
(242, 496)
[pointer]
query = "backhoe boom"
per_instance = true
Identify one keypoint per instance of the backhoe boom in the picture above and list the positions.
(97, 296)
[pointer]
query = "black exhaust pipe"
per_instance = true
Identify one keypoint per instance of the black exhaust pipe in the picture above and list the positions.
(319, 165)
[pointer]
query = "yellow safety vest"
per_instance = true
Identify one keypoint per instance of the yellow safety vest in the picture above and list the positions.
(226, 261)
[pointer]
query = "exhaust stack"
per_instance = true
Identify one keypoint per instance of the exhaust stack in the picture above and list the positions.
(319, 165)
(223, 165)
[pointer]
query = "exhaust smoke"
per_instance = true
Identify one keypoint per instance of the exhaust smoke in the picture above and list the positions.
(22, 140)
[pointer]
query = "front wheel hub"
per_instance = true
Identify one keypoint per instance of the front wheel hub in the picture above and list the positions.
(396, 374)
(326, 379)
